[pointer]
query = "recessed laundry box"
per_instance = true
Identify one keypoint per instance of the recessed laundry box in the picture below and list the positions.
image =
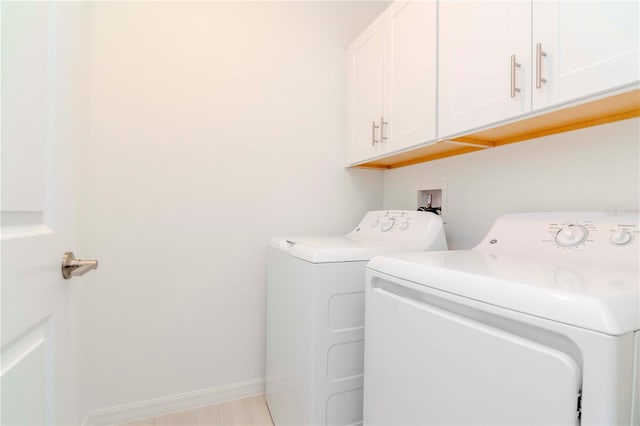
(315, 314)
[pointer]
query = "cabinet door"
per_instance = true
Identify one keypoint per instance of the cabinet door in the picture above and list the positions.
(590, 46)
(365, 81)
(477, 39)
(410, 74)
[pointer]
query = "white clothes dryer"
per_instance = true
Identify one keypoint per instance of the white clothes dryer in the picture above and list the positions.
(537, 325)
(315, 314)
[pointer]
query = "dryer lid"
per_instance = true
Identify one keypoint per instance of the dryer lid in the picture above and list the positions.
(593, 284)
(590, 297)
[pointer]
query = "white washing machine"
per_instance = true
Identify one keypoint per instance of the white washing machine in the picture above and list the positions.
(537, 325)
(315, 314)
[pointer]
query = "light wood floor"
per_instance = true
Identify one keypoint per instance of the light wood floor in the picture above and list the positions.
(241, 412)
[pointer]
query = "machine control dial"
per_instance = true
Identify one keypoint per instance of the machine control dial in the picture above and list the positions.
(387, 224)
(571, 235)
(620, 237)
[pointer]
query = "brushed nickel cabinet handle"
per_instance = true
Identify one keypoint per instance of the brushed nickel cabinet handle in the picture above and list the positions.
(514, 65)
(539, 55)
(382, 124)
(72, 267)
(374, 126)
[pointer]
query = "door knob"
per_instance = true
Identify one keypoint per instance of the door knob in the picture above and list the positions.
(72, 267)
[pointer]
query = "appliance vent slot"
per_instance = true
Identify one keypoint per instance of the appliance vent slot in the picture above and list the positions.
(579, 407)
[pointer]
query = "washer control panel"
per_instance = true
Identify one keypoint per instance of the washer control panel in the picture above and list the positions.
(392, 220)
(600, 233)
(400, 226)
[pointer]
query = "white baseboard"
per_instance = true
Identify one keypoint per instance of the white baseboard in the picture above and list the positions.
(173, 403)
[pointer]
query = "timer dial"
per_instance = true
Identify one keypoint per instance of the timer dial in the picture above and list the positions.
(571, 235)
(388, 224)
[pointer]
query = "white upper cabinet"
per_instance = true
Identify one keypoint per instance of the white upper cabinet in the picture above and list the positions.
(410, 74)
(589, 47)
(463, 73)
(392, 81)
(365, 91)
(499, 60)
(478, 81)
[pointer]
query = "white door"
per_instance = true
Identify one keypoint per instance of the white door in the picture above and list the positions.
(38, 379)
(428, 366)
(365, 74)
(590, 47)
(477, 41)
(410, 74)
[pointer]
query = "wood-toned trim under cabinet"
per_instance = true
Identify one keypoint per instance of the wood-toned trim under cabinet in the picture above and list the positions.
(600, 111)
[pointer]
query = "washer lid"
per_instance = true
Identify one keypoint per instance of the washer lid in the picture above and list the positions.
(335, 249)
(590, 296)
(379, 232)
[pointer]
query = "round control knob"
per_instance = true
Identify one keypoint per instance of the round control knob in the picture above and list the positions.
(404, 226)
(388, 224)
(620, 237)
(571, 235)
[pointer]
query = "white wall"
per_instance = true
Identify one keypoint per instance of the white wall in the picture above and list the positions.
(214, 126)
(594, 169)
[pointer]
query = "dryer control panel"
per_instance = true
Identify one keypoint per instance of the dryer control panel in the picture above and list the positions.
(595, 234)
